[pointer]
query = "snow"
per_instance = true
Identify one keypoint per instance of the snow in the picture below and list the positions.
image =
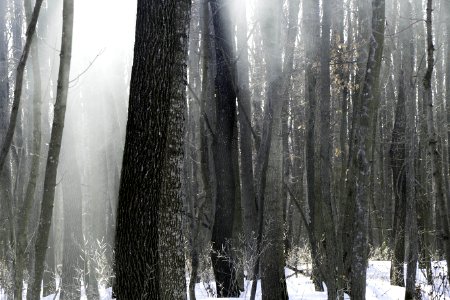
(301, 287)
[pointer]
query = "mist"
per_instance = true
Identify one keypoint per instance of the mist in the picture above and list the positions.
(257, 149)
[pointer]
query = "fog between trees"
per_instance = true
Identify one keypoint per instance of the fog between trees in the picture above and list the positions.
(234, 140)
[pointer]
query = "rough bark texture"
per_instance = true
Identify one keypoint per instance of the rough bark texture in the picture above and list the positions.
(149, 188)
(47, 203)
(224, 270)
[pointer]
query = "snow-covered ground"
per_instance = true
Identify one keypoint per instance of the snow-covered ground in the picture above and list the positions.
(301, 287)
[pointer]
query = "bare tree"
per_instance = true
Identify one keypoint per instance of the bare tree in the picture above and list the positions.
(45, 218)
(149, 195)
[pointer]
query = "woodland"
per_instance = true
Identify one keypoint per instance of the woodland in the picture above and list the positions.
(155, 149)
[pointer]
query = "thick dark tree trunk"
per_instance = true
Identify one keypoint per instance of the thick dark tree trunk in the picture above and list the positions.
(149, 188)
(224, 269)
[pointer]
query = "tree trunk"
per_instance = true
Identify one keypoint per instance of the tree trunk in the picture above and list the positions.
(245, 129)
(436, 159)
(154, 122)
(397, 154)
(6, 143)
(273, 280)
(224, 269)
(27, 204)
(367, 111)
(326, 210)
(45, 218)
(311, 32)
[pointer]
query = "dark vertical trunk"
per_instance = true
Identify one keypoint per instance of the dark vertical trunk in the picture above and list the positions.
(326, 210)
(246, 142)
(311, 35)
(45, 218)
(154, 122)
(397, 156)
(224, 270)
(172, 279)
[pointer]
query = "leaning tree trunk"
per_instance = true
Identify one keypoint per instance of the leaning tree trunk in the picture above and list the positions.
(45, 217)
(6, 143)
(367, 110)
(150, 188)
(224, 269)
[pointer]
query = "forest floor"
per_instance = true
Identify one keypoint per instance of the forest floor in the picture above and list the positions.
(301, 287)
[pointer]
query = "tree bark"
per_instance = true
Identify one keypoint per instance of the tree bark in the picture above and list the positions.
(151, 157)
(224, 269)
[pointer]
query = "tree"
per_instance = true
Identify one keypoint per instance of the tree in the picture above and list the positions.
(436, 158)
(366, 117)
(45, 217)
(224, 270)
(18, 84)
(149, 187)
(23, 217)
